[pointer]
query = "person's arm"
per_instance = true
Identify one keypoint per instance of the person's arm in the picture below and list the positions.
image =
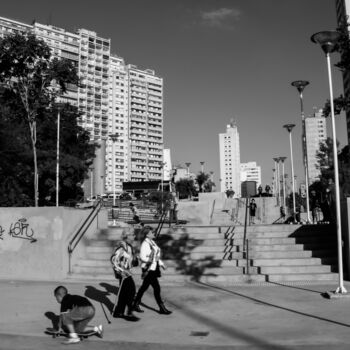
(146, 253)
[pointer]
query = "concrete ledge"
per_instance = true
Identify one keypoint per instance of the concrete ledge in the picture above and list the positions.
(335, 295)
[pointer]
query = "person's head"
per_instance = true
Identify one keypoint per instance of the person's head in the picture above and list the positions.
(148, 232)
(252, 201)
(59, 293)
(131, 205)
(128, 235)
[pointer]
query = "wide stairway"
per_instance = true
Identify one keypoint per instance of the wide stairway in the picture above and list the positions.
(216, 254)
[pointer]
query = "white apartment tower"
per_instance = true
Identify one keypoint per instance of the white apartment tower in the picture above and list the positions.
(251, 172)
(230, 160)
(316, 132)
(115, 99)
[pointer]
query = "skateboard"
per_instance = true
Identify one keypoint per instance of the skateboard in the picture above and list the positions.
(60, 333)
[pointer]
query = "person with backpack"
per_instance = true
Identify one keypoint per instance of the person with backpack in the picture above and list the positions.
(150, 265)
(123, 259)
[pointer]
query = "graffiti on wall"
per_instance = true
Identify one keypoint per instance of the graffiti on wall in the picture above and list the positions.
(19, 229)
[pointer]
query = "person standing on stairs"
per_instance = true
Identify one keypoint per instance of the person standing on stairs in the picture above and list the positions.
(252, 210)
(123, 259)
(150, 264)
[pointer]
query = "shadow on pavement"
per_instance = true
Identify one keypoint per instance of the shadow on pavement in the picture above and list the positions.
(53, 318)
(273, 305)
(296, 287)
(99, 296)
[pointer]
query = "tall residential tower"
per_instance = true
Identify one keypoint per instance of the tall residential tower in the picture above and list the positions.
(230, 160)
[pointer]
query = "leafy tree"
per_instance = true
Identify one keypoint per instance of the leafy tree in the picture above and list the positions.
(201, 179)
(185, 188)
(76, 154)
(35, 79)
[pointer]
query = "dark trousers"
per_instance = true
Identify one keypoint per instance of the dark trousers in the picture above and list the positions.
(151, 279)
(126, 295)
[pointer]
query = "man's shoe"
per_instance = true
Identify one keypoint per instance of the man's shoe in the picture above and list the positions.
(163, 310)
(69, 341)
(99, 331)
(118, 315)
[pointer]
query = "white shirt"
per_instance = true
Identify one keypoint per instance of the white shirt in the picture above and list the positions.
(150, 254)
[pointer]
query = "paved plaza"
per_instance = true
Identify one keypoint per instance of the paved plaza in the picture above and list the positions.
(267, 316)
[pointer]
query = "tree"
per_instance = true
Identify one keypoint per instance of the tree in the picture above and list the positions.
(185, 188)
(76, 154)
(201, 179)
(35, 79)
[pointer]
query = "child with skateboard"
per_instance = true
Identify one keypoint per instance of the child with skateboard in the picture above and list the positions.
(76, 312)
(123, 260)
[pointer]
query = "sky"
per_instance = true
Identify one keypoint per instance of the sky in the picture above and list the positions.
(220, 59)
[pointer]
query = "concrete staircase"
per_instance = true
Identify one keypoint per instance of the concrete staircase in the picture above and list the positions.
(216, 254)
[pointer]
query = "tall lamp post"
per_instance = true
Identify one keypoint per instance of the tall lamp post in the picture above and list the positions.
(58, 157)
(188, 169)
(328, 41)
(282, 159)
(114, 138)
(91, 182)
(202, 166)
(300, 85)
(278, 190)
(289, 128)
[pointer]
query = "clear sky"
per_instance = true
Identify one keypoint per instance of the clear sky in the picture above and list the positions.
(220, 59)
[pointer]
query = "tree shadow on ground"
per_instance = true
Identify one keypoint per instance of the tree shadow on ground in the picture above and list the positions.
(180, 250)
(100, 296)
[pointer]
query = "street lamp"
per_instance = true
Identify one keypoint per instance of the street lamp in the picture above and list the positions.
(277, 166)
(328, 41)
(188, 169)
(114, 138)
(300, 85)
(282, 159)
(273, 181)
(91, 182)
(202, 166)
(289, 128)
(58, 157)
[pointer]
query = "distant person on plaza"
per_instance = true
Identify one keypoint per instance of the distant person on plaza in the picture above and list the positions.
(174, 209)
(252, 210)
(314, 206)
(76, 312)
(267, 189)
(123, 259)
(260, 190)
(150, 265)
(135, 213)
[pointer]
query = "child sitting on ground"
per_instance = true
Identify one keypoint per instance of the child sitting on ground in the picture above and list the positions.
(76, 313)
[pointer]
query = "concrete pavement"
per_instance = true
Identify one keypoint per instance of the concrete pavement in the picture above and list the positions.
(266, 316)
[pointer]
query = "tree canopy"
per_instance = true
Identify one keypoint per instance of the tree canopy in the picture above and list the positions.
(30, 81)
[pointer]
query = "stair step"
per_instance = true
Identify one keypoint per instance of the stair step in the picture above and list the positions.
(267, 270)
(302, 277)
(292, 261)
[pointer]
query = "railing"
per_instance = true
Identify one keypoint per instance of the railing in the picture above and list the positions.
(161, 222)
(245, 240)
(212, 212)
(81, 231)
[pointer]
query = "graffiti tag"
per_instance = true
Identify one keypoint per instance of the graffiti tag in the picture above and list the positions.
(20, 229)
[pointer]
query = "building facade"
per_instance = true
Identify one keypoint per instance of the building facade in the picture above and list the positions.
(343, 12)
(230, 160)
(119, 103)
(316, 133)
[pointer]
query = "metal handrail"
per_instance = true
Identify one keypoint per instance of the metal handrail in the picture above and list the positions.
(161, 223)
(82, 230)
(212, 212)
(245, 224)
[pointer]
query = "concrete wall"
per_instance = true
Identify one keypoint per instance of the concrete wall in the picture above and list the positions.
(34, 241)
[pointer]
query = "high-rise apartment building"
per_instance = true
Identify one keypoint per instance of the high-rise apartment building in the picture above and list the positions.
(251, 172)
(316, 132)
(343, 13)
(230, 160)
(120, 104)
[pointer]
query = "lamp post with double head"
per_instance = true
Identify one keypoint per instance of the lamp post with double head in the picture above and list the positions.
(328, 41)
(282, 159)
(289, 128)
(188, 169)
(278, 189)
(114, 138)
(202, 166)
(300, 85)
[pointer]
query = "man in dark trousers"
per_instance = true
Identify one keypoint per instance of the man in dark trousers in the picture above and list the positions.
(123, 260)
